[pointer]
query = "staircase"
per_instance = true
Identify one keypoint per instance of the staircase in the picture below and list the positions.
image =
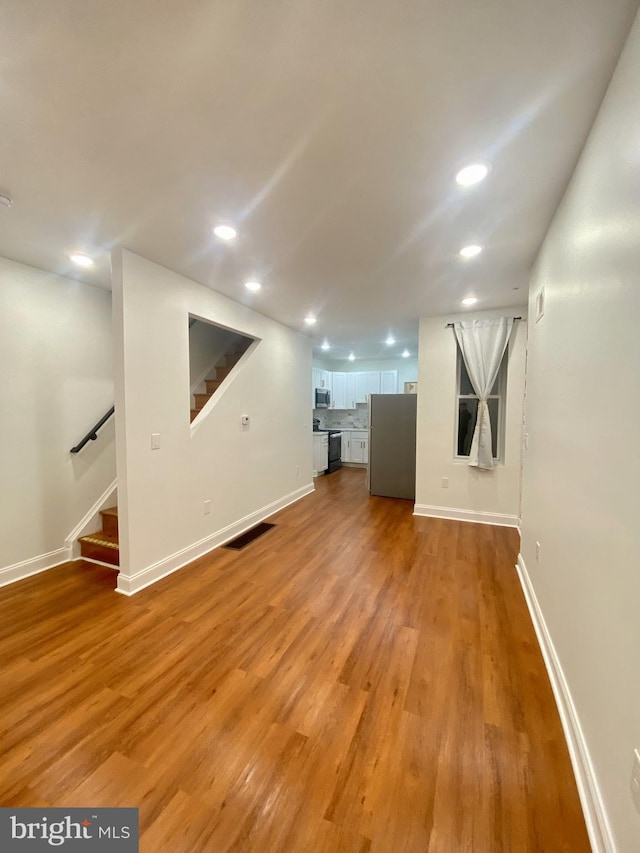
(222, 369)
(103, 545)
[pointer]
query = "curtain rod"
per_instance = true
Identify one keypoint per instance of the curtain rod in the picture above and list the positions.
(451, 325)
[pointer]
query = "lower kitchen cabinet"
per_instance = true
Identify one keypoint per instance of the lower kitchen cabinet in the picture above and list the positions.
(320, 453)
(355, 446)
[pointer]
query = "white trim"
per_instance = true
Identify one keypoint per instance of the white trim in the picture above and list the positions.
(595, 814)
(34, 565)
(91, 520)
(473, 515)
(129, 585)
(95, 562)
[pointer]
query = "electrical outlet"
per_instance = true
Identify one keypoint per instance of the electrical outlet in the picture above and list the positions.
(444, 482)
(207, 507)
(537, 552)
(635, 779)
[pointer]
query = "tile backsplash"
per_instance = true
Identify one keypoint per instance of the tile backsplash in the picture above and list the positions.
(343, 418)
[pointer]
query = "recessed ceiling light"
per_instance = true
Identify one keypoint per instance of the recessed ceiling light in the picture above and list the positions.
(252, 285)
(390, 341)
(470, 251)
(470, 300)
(325, 345)
(310, 320)
(351, 357)
(472, 174)
(81, 260)
(225, 232)
(406, 354)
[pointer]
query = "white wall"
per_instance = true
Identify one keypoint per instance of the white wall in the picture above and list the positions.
(55, 383)
(474, 495)
(245, 473)
(582, 469)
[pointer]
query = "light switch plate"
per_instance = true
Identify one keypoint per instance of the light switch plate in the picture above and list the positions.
(155, 441)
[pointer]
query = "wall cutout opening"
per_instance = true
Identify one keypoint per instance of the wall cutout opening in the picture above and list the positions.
(214, 354)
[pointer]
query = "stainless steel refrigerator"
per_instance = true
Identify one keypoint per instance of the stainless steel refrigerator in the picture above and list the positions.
(392, 445)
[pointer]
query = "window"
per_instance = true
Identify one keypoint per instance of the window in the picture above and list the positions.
(467, 409)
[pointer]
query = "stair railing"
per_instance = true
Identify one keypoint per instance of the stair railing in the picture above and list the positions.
(93, 433)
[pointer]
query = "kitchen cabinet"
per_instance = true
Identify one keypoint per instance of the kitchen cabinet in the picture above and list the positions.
(388, 381)
(353, 387)
(319, 379)
(355, 446)
(339, 391)
(367, 382)
(359, 446)
(320, 453)
(351, 390)
(325, 379)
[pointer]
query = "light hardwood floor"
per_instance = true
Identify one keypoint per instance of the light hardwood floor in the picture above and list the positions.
(356, 680)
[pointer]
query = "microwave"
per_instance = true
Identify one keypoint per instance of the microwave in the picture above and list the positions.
(323, 398)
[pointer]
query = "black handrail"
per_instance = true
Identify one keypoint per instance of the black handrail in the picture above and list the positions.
(93, 433)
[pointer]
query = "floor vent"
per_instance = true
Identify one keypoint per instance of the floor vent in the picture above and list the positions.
(247, 538)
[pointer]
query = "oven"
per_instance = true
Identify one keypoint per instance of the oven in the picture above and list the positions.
(335, 450)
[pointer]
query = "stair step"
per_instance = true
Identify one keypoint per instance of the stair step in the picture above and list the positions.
(223, 372)
(194, 414)
(212, 385)
(110, 520)
(201, 400)
(100, 546)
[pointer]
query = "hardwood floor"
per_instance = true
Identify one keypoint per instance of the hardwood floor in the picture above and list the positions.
(358, 679)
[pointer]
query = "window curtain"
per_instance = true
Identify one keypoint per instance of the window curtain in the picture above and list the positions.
(482, 344)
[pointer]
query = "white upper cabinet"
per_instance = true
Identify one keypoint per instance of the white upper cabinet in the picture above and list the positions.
(347, 389)
(388, 381)
(367, 382)
(339, 391)
(351, 390)
(319, 379)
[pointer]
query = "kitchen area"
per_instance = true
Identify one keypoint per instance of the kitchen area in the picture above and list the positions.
(363, 419)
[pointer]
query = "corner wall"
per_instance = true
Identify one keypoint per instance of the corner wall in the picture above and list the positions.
(472, 495)
(246, 474)
(55, 383)
(582, 469)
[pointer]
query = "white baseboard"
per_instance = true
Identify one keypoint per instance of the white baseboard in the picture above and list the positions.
(91, 520)
(35, 565)
(129, 585)
(595, 814)
(474, 516)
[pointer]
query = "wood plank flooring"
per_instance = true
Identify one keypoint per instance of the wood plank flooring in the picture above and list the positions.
(358, 680)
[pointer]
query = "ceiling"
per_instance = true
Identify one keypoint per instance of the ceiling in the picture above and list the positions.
(329, 133)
